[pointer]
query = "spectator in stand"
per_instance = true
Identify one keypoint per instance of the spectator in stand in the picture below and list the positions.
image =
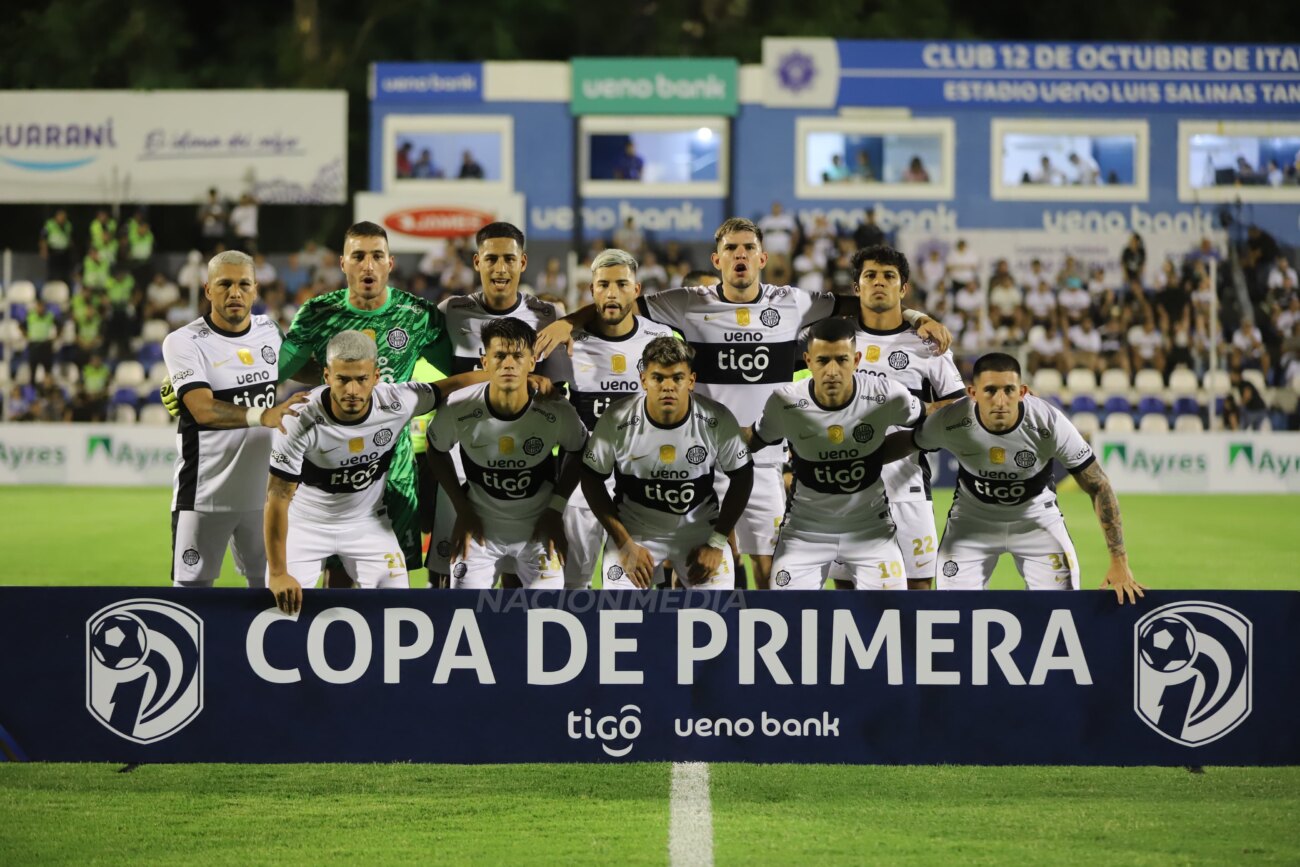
(1097, 284)
(1205, 252)
(862, 169)
(933, 270)
(916, 172)
(84, 407)
(1085, 345)
(1006, 304)
(1286, 319)
(470, 170)
(295, 275)
(1282, 280)
(1275, 175)
(1254, 410)
(1047, 173)
(139, 246)
(654, 277)
(192, 276)
(1147, 347)
(976, 333)
(1070, 269)
(265, 273)
(1084, 170)
(554, 281)
(963, 266)
(629, 166)
(1261, 250)
(1182, 350)
(779, 231)
(95, 376)
(1114, 334)
(1074, 301)
(56, 247)
(1173, 305)
(159, 297)
(968, 300)
(841, 275)
(822, 235)
(1133, 259)
(630, 238)
(103, 235)
(1248, 340)
(405, 165)
(1036, 275)
(95, 270)
(1048, 350)
(868, 233)
(807, 275)
(212, 221)
(243, 222)
(458, 278)
(423, 167)
(41, 329)
(1041, 304)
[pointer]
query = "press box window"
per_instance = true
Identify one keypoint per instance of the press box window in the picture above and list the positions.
(471, 152)
(1080, 161)
(654, 157)
(849, 158)
(1250, 161)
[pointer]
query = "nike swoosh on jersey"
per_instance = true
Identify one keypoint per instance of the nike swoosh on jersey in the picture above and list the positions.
(925, 565)
(219, 363)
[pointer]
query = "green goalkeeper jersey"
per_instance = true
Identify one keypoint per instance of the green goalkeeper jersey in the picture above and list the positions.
(406, 329)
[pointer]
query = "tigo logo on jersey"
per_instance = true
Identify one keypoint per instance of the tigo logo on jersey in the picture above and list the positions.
(836, 433)
(246, 356)
(357, 445)
(144, 668)
(1192, 671)
(742, 316)
(998, 455)
(506, 445)
(667, 454)
(873, 353)
(618, 363)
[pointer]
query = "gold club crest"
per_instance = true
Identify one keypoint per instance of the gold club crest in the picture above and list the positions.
(998, 455)
(619, 363)
(368, 332)
(246, 356)
(742, 316)
(357, 444)
(836, 433)
(506, 445)
(873, 353)
(667, 454)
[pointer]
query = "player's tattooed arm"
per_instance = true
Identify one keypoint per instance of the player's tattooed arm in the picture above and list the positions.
(311, 373)
(275, 530)
(210, 412)
(560, 332)
(1092, 479)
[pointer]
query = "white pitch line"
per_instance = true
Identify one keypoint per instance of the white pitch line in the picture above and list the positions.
(690, 821)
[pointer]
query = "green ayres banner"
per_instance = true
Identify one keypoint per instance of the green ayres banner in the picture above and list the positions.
(654, 85)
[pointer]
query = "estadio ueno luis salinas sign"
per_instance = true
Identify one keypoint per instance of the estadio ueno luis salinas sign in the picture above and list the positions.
(985, 678)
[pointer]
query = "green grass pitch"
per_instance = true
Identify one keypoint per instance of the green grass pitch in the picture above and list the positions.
(620, 814)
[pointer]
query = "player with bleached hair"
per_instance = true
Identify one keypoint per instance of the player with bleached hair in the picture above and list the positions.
(834, 423)
(664, 448)
(330, 467)
(1005, 441)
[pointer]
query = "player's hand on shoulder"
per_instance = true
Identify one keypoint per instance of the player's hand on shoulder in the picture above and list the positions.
(171, 401)
(933, 331)
(274, 417)
(558, 333)
(541, 385)
(1120, 579)
(287, 592)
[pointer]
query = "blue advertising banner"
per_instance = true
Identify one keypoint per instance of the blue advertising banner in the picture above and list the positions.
(426, 83)
(1070, 77)
(166, 675)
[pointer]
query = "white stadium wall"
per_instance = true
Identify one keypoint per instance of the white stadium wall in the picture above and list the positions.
(86, 454)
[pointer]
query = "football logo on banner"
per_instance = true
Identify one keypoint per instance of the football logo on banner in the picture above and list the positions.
(144, 668)
(1192, 671)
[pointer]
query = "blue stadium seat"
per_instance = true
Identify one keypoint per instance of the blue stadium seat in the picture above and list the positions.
(1153, 405)
(1085, 403)
(28, 393)
(1186, 406)
(18, 312)
(151, 354)
(1117, 403)
(125, 396)
(152, 396)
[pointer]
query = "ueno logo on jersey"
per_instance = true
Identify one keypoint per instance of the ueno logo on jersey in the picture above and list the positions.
(144, 668)
(437, 222)
(617, 734)
(1192, 671)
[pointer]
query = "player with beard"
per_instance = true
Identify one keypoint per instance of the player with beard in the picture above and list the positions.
(606, 360)
(745, 335)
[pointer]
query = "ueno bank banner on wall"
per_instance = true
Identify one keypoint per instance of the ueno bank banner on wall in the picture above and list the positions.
(284, 146)
(1212, 463)
(998, 677)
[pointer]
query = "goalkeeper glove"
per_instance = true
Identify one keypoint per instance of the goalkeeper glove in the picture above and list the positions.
(169, 398)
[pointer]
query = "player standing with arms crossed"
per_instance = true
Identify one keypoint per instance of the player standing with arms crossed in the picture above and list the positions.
(1005, 440)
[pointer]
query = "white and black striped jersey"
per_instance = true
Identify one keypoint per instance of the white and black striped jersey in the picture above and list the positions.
(743, 351)
(341, 466)
(509, 463)
(222, 470)
(608, 369)
(904, 357)
(663, 476)
(837, 480)
(1006, 474)
(466, 316)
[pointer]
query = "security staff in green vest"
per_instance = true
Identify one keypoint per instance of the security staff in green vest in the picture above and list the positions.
(119, 286)
(95, 270)
(41, 328)
(56, 247)
(139, 240)
(103, 236)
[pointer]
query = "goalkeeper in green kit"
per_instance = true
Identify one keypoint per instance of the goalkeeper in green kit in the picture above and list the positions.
(405, 327)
